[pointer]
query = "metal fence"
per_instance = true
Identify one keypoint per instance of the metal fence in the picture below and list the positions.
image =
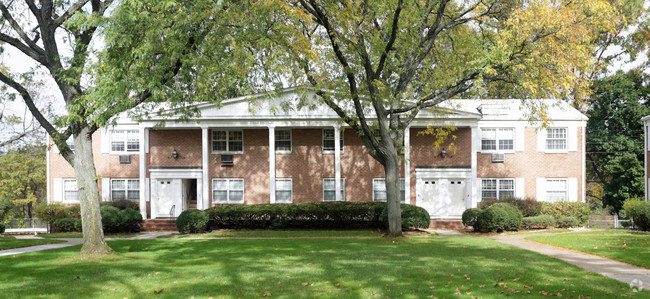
(607, 221)
(25, 225)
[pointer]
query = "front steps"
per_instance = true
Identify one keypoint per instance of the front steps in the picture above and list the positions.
(453, 224)
(158, 225)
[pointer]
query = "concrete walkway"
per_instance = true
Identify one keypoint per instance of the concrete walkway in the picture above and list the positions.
(632, 275)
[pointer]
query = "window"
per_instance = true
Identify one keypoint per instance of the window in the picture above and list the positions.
(556, 190)
(328, 141)
(70, 191)
(379, 190)
(125, 189)
(497, 139)
(227, 141)
(70, 143)
(283, 190)
(125, 141)
(227, 191)
(283, 140)
(556, 139)
(497, 188)
(329, 189)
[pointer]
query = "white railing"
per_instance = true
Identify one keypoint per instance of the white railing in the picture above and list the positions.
(25, 225)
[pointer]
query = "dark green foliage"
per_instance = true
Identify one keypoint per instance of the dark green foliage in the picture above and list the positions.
(528, 207)
(470, 218)
(640, 213)
(115, 220)
(66, 225)
(2, 228)
(5, 207)
(500, 217)
(52, 212)
(579, 210)
(567, 221)
(192, 221)
(615, 135)
(538, 222)
(412, 217)
(123, 204)
(305, 215)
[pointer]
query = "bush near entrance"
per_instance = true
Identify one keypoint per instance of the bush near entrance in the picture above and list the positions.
(192, 221)
(314, 215)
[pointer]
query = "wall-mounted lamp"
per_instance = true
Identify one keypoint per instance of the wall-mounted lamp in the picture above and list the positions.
(175, 154)
(443, 153)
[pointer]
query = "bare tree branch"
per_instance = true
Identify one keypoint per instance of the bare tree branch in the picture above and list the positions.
(69, 12)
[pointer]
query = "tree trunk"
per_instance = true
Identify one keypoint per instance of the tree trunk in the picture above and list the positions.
(391, 169)
(91, 218)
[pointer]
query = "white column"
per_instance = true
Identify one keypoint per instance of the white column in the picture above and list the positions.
(337, 162)
(476, 141)
(407, 165)
(204, 203)
(143, 172)
(272, 164)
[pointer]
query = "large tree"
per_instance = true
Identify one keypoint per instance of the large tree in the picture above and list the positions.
(615, 135)
(376, 63)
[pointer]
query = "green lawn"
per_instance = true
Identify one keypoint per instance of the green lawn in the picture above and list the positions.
(607, 243)
(281, 234)
(17, 243)
(80, 235)
(295, 268)
(523, 232)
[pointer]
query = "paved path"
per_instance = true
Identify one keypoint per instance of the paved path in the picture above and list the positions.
(632, 275)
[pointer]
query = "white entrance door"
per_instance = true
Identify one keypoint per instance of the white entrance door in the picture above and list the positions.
(168, 196)
(442, 198)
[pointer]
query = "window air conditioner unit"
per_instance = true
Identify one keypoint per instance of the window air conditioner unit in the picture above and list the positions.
(498, 158)
(226, 159)
(125, 159)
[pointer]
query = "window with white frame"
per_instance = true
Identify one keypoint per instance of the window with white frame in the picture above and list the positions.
(125, 189)
(556, 190)
(283, 190)
(556, 139)
(497, 188)
(227, 141)
(379, 190)
(70, 143)
(70, 191)
(227, 190)
(283, 140)
(125, 141)
(329, 189)
(493, 139)
(328, 141)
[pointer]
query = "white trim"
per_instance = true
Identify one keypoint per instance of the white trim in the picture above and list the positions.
(566, 141)
(583, 157)
(204, 203)
(128, 132)
(337, 164)
(126, 187)
(520, 138)
(341, 140)
(496, 140)
(290, 141)
(106, 189)
(142, 172)
(227, 151)
(271, 164)
(228, 190)
(290, 180)
(572, 189)
(473, 182)
(520, 191)
(572, 139)
(497, 185)
(407, 165)
(541, 189)
(57, 190)
(645, 155)
(105, 140)
(337, 189)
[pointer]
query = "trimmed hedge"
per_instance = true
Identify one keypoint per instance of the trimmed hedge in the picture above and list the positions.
(311, 215)
(579, 210)
(67, 225)
(412, 217)
(470, 218)
(123, 204)
(538, 222)
(52, 212)
(192, 221)
(567, 221)
(528, 207)
(115, 220)
(640, 213)
(500, 217)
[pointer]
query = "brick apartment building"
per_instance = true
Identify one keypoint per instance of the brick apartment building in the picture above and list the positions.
(247, 152)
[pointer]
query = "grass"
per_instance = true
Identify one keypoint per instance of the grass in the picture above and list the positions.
(524, 232)
(294, 268)
(10, 243)
(606, 243)
(281, 234)
(80, 235)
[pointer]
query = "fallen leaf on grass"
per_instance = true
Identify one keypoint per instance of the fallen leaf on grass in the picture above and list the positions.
(432, 287)
(267, 294)
(457, 292)
(158, 291)
(305, 283)
(338, 284)
(516, 279)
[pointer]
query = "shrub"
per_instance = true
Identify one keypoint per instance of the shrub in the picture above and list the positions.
(628, 205)
(567, 221)
(528, 207)
(123, 204)
(308, 215)
(500, 217)
(640, 213)
(538, 222)
(412, 217)
(115, 220)
(470, 218)
(193, 221)
(67, 225)
(2, 228)
(51, 212)
(579, 210)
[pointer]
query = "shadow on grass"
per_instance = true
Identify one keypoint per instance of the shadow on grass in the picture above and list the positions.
(353, 268)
